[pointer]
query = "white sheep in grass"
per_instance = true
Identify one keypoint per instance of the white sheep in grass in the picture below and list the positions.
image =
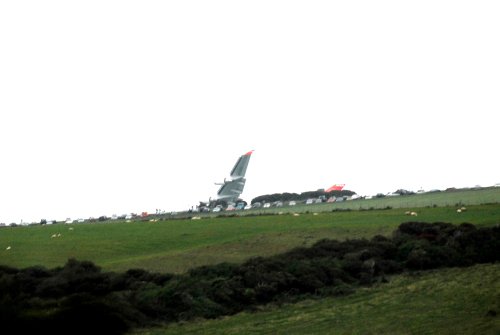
(8, 248)
(413, 214)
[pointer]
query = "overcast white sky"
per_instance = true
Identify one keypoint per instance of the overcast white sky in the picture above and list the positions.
(112, 107)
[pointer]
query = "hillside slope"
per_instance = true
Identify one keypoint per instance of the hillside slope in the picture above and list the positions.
(178, 245)
(447, 301)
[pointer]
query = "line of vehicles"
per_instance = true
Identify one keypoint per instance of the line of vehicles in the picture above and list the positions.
(243, 205)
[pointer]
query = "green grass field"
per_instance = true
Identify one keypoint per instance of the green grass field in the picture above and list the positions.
(449, 301)
(177, 245)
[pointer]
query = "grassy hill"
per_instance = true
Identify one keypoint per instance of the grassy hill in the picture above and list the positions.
(180, 244)
(450, 301)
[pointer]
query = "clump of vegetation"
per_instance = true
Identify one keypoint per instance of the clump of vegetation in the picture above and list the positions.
(300, 197)
(80, 298)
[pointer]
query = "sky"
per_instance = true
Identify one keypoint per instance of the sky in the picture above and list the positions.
(114, 107)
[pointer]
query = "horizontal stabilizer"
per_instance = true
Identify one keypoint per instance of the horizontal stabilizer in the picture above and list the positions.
(231, 189)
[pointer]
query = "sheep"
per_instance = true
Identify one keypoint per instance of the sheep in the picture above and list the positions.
(296, 214)
(70, 228)
(53, 235)
(459, 210)
(413, 214)
(8, 248)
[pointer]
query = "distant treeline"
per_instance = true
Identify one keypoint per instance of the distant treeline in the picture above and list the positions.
(79, 298)
(300, 197)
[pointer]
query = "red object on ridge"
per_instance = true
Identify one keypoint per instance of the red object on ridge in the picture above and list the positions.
(248, 153)
(336, 187)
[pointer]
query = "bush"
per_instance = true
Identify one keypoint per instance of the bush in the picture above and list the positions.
(84, 314)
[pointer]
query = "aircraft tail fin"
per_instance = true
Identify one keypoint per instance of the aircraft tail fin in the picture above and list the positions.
(240, 168)
(232, 189)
